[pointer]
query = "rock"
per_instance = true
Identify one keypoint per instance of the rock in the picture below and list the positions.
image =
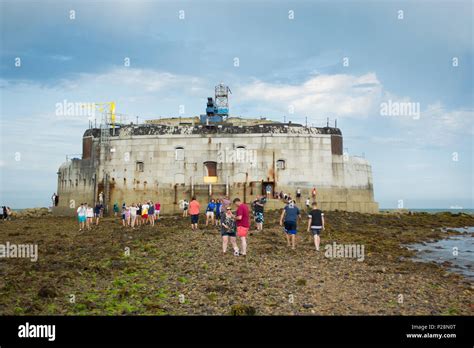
(307, 305)
(241, 310)
(301, 282)
(47, 292)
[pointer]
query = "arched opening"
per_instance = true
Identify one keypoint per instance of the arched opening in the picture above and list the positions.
(179, 154)
(240, 154)
(280, 164)
(210, 172)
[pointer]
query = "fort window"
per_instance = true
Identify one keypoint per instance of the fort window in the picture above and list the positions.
(210, 172)
(240, 153)
(281, 164)
(211, 168)
(140, 166)
(179, 154)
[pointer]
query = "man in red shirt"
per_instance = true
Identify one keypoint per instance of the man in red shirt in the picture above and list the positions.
(243, 223)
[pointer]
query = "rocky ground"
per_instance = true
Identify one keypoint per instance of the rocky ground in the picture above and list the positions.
(173, 271)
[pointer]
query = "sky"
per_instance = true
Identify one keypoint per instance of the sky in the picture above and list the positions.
(293, 60)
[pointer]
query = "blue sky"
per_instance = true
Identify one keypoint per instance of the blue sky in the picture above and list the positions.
(283, 63)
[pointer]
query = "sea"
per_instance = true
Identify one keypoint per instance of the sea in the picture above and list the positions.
(433, 211)
(458, 250)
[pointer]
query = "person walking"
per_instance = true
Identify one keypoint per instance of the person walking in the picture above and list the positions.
(243, 224)
(97, 209)
(81, 216)
(258, 212)
(288, 219)
(316, 224)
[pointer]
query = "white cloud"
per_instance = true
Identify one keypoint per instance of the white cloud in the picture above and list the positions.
(340, 95)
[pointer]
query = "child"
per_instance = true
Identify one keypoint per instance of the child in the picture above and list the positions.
(81, 216)
(185, 208)
(228, 229)
(90, 216)
(157, 210)
(290, 213)
(124, 211)
(316, 224)
(145, 213)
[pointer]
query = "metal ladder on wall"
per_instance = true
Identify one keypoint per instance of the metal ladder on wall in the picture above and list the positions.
(104, 142)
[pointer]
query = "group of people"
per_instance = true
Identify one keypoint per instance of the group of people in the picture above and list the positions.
(237, 224)
(138, 214)
(286, 197)
(55, 199)
(6, 213)
(218, 212)
(232, 224)
(86, 215)
(289, 218)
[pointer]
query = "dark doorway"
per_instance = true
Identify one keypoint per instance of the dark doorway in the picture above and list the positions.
(268, 186)
(211, 168)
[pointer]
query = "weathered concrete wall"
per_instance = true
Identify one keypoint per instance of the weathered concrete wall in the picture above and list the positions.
(342, 182)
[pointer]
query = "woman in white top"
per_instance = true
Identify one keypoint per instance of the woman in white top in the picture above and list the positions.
(89, 216)
(133, 214)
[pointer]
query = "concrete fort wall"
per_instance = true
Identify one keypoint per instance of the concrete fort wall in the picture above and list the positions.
(170, 167)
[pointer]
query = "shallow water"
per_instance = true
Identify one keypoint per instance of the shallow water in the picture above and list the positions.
(445, 250)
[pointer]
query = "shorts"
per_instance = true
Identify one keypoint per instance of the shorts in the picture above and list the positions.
(194, 219)
(242, 231)
(218, 216)
(210, 213)
(82, 218)
(97, 215)
(185, 208)
(157, 212)
(225, 233)
(298, 195)
(259, 218)
(145, 216)
(315, 230)
(290, 227)
(123, 216)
